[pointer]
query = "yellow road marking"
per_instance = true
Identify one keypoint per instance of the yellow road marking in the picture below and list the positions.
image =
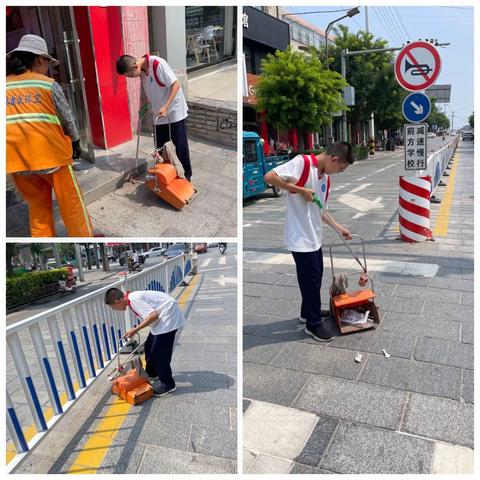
(31, 431)
(443, 217)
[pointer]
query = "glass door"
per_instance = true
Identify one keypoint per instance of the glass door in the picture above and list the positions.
(58, 30)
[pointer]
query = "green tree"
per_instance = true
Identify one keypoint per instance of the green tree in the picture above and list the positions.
(67, 250)
(295, 90)
(437, 117)
(372, 75)
(11, 250)
(36, 249)
(470, 119)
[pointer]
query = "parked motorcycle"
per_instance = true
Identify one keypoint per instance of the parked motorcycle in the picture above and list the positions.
(69, 285)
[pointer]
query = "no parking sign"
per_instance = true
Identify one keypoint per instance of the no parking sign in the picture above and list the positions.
(417, 66)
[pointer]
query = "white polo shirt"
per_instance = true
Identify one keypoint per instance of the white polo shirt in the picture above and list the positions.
(144, 302)
(156, 84)
(303, 223)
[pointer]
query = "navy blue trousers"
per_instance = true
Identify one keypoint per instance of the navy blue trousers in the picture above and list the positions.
(309, 275)
(158, 354)
(180, 140)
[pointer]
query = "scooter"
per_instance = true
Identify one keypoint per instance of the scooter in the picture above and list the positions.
(222, 247)
(69, 285)
(133, 266)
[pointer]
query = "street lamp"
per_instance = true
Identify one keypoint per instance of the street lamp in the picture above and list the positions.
(350, 13)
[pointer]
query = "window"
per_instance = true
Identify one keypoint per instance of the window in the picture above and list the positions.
(250, 151)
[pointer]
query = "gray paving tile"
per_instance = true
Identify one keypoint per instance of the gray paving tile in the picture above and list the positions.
(262, 277)
(454, 313)
(318, 359)
(196, 414)
(277, 292)
(261, 349)
(421, 326)
(362, 449)
(395, 343)
(278, 308)
(289, 281)
(214, 442)
(401, 279)
(467, 298)
(251, 322)
(440, 419)
(300, 468)
(435, 294)
(227, 398)
(448, 284)
(468, 386)
(467, 332)
(413, 376)
(166, 432)
(270, 384)
(444, 352)
(318, 442)
(167, 460)
(354, 401)
(284, 329)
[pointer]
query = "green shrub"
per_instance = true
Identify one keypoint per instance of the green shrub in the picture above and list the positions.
(32, 285)
(360, 152)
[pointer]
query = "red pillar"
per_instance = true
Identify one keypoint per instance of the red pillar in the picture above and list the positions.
(293, 138)
(264, 133)
(100, 33)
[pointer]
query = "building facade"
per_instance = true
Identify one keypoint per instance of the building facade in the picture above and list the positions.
(88, 40)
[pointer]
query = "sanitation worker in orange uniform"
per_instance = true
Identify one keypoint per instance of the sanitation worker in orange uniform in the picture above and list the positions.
(42, 139)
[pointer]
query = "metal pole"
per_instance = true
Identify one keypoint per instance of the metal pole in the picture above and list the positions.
(78, 256)
(367, 26)
(344, 112)
(58, 262)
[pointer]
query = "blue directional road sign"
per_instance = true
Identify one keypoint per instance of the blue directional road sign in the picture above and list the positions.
(416, 107)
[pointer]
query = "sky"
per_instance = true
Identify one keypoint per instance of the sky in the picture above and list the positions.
(452, 25)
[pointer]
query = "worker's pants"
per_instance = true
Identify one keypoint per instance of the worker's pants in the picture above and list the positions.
(180, 140)
(158, 355)
(309, 275)
(37, 192)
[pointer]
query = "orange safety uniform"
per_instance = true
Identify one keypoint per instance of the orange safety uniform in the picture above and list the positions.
(36, 141)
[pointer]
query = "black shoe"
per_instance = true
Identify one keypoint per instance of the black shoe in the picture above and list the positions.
(161, 390)
(325, 314)
(318, 332)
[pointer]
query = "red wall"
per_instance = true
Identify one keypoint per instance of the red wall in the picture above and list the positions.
(107, 92)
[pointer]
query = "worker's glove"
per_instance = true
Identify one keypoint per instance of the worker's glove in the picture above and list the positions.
(77, 150)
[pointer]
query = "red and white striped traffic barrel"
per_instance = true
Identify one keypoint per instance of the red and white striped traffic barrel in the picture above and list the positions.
(414, 209)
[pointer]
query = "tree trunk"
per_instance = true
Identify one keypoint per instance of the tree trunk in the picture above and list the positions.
(89, 256)
(103, 253)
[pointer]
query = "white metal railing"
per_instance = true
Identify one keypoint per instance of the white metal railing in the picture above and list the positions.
(92, 331)
(438, 162)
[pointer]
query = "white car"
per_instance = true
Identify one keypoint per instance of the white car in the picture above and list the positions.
(154, 252)
(431, 135)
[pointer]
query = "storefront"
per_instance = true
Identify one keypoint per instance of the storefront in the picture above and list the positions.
(262, 34)
(210, 35)
(88, 40)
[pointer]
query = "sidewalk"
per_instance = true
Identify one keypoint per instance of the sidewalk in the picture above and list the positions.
(309, 407)
(192, 430)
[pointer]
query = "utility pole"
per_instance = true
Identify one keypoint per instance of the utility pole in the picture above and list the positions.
(78, 256)
(451, 126)
(367, 26)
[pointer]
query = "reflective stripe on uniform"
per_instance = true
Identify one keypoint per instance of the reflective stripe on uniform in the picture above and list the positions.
(33, 117)
(30, 84)
(80, 198)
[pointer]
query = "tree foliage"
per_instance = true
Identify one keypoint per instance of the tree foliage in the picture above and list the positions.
(295, 90)
(372, 75)
(67, 250)
(438, 118)
(470, 120)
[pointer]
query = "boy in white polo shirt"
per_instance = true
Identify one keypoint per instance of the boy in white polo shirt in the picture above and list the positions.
(304, 176)
(166, 98)
(162, 313)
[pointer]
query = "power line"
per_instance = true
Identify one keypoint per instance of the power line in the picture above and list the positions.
(383, 25)
(389, 27)
(394, 23)
(395, 9)
(317, 11)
